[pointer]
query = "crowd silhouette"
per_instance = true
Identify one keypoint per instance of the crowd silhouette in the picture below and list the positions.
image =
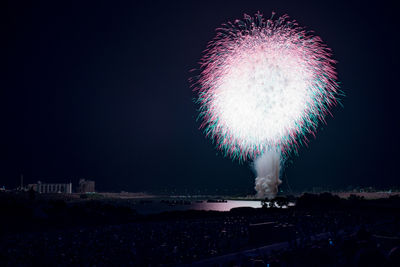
(329, 231)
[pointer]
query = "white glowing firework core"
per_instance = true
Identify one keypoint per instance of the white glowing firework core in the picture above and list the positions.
(263, 93)
(264, 85)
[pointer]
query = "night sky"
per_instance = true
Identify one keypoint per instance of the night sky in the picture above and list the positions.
(100, 91)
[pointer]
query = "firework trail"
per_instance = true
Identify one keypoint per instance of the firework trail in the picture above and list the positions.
(264, 86)
(267, 167)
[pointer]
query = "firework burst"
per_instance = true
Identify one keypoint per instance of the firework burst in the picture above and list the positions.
(264, 84)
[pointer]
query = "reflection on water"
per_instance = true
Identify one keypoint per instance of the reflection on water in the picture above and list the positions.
(157, 206)
(230, 204)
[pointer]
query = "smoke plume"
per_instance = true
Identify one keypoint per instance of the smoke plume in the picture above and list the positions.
(267, 167)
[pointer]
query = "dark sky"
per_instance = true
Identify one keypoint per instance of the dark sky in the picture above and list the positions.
(100, 90)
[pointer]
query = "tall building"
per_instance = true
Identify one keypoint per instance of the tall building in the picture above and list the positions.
(44, 188)
(86, 186)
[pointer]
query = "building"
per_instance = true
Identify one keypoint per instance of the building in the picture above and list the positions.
(86, 186)
(40, 187)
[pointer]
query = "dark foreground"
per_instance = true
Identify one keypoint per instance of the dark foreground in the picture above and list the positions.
(321, 230)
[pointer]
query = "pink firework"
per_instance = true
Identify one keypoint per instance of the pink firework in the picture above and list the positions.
(264, 84)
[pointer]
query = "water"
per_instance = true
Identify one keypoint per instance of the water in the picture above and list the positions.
(156, 206)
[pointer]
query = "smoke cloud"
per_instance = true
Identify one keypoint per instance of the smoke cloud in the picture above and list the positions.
(267, 167)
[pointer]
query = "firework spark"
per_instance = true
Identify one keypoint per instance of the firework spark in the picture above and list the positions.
(264, 84)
